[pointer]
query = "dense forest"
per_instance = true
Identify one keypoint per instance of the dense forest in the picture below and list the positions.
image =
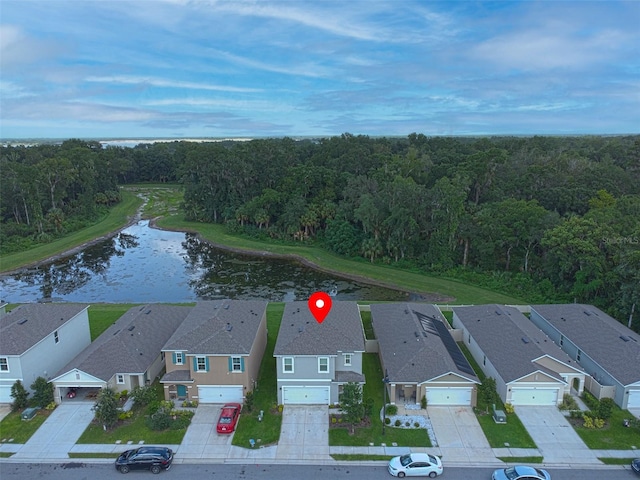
(549, 218)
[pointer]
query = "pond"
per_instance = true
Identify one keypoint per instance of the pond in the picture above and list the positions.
(143, 264)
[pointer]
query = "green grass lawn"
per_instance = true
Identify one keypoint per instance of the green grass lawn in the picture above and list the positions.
(513, 432)
(135, 429)
(410, 437)
(614, 436)
(520, 460)
(265, 395)
(359, 457)
(117, 218)
(13, 427)
(367, 325)
(103, 315)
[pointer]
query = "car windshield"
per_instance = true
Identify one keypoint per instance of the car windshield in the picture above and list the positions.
(405, 460)
(511, 473)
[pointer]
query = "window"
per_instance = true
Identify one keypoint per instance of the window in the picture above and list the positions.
(484, 360)
(578, 355)
(4, 364)
(178, 358)
(323, 364)
(469, 339)
(347, 359)
(201, 364)
(236, 364)
(161, 355)
(287, 364)
(55, 336)
(120, 378)
(561, 340)
(77, 375)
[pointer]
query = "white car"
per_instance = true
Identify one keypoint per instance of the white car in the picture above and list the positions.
(415, 465)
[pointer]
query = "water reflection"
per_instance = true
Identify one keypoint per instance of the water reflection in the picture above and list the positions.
(142, 264)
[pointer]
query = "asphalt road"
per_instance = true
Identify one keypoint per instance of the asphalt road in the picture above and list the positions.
(82, 471)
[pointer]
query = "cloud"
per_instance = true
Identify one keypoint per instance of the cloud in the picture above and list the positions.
(165, 83)
(18, 50)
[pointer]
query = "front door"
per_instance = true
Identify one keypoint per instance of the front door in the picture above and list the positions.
(182, 391)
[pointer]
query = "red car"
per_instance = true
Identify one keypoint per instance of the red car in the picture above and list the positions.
(229, 418)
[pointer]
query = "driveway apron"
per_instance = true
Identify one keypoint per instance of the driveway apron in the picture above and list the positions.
(305, 433)
(557, 441)
(201, 439)
(459, 435)
(59, 433)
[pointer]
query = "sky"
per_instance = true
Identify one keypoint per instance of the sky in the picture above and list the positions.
(207, 68)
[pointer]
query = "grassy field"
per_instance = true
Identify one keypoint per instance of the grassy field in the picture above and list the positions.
(102, 315)
(18, 430)
(116, 219)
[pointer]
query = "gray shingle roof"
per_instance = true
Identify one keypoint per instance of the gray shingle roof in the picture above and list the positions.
(219, 328)
(18, 336)
(510, 340)
(300, 334)
(599, 336)
(347, 376)
(131, 344)
(410, 352)
(177, 376)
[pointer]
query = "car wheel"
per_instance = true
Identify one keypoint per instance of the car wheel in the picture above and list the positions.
(401, 474)
(433, 475)
(124, 469)
(155, 469)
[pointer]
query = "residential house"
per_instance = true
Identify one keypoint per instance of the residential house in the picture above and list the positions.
(215, 354)
(126, 355)
(314, 360)
(529, 369)
(605, 348)
(38, 339)
(419, 356)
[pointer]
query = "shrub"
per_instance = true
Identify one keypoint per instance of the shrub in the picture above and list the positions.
(280, 407)
(387, 421)
(588, 422)
(106, 407)
(398, 423)
(125, 415)
(248, 401)
(42, 392)
(416, 424)
(392, 409)
(19, 395)
(124, 394)
(605, 408)
(508, 408)
(143, 395)
(153, 407)
(590, 400)
(407, 423)
(51, 406)
(423, 402)
(333, 419)
(160, 420)
(568, 403)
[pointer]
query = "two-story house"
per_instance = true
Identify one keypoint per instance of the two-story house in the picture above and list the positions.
(314, 360)
(214, 356)
(36, 340)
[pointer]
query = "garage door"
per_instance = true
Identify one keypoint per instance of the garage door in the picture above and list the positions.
(448, 396)
(305, 395)
(634, 399)
(5, 394)
(220, 394)
(534, 396)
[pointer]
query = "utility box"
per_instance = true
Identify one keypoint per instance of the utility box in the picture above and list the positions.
(499, 416)
(29, 413)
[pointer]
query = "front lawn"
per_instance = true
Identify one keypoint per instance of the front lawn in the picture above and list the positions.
(265, 396)
(134, 429)
(18, 430)
(614, 436)
(512, 433)
(409, 437)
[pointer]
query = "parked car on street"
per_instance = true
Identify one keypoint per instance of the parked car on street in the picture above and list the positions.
(521, 472)
(229, 418)
(415, 465)
(154, 459)
(635, 465)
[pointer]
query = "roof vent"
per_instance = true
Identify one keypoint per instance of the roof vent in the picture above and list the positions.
(131, 328)
(23, 321)
(226, 307)
(416, 334)
(588, 314)
(229, 327)
(625, 338)
(147, 312)
(300, 329)
(116, 332)
(498, 312)
(525, 340)
(406, 311)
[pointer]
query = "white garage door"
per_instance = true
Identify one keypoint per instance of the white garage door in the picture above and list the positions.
(5, 394)
(219, 393)
(448, 396)
(534, 396)
(634, 399)
(305, 395)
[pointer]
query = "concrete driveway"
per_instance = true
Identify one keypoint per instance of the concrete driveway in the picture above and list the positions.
(305, 433)
(557, 441)
(459, 436)
(59, 433)
(201, 439)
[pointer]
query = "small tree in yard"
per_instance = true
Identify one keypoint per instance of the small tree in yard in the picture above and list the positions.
(488, 392)
(42, 392)
(143, 396)
(19, 395)
(106, 407)
(351, 404)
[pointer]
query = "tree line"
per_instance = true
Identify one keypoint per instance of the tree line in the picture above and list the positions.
(547, 218)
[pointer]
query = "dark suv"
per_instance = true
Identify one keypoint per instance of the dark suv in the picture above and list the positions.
(145, 458)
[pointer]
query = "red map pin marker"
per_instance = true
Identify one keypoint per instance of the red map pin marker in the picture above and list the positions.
(319, 305)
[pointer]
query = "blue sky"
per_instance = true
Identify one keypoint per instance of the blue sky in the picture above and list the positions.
(180, 68)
